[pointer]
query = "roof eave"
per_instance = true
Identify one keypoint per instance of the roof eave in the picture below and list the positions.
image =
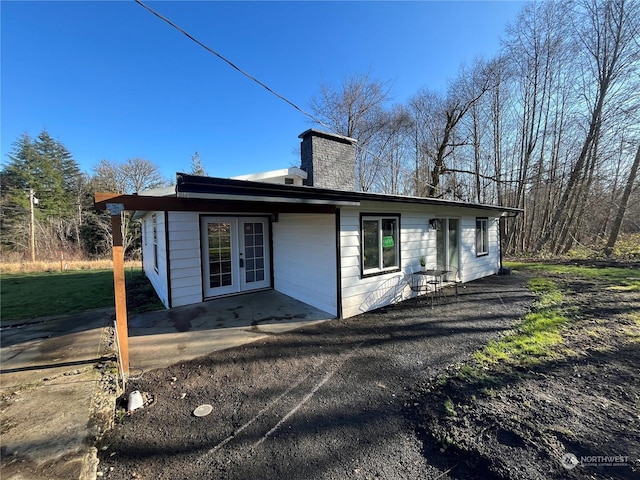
(190, 186)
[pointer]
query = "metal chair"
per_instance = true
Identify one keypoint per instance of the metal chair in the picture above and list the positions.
(435, 283)
(422, 282)
(452, 277)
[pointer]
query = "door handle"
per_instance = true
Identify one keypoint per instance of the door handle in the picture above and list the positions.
(242, 263)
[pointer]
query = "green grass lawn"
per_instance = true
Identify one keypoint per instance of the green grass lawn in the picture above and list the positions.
(621, 278)
(540, 331)
(32, 295)
(537, 334)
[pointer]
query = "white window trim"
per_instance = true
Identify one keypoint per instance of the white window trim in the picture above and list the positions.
(154, 233)
(380, 269)
(482, 233)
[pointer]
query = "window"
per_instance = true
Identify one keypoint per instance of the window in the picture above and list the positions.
(380, 244)
(154, 224)
(482, 236)
(288, 181)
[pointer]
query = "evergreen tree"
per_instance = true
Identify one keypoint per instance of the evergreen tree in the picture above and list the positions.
(59, 177)
(196, 166)
(45, 166)
(18, 176)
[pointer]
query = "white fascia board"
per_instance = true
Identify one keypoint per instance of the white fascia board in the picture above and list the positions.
(283, 172)
(298, 172)
(159, 192)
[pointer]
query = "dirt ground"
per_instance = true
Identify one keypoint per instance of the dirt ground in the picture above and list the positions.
(361, 398)
(582, 408)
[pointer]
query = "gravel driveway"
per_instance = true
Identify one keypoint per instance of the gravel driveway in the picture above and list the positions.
(331, 401)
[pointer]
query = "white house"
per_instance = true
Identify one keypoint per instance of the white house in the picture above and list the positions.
(307, 233)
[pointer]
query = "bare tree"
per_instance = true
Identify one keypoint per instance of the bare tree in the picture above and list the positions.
(607, 31)
(536, 50)
(441, 116)
(424, 108)
(478, 158)
(131, 176)
(538, 127)
(622, 207)
(356, 111)
(391, 147)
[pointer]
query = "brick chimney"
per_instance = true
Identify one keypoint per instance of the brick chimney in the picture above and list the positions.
(329, 160)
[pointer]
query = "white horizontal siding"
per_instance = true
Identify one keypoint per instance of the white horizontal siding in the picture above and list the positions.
(185, 258)
(305, 255)
(474, 267)
(185, 267)
(363, 294)
(416, 239)
(183, 281)
(184, 244)
(304, 259)
(158, 278)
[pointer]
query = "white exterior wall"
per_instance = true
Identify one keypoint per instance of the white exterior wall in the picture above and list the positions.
(185, 258)
(157, 277)
(360, 295)
(304, 255)
(304, 259)
(472, 266)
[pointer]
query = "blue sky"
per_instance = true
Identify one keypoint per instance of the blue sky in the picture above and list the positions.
(111, 81)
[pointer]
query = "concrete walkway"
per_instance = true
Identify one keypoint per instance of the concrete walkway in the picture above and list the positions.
(48, 387)
(52, 402)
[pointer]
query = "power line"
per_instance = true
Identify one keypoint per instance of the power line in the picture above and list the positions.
(249, 76)
(231, 64)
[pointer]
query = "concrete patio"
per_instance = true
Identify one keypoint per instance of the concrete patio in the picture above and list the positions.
(162, 338)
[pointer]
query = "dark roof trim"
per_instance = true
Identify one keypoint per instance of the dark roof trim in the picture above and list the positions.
(192, 186)
(141, 204)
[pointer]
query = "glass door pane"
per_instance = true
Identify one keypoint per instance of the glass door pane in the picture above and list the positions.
(453, 243)
(254, 268)
(441, 244)
(254, 253)
(219, 237)
(447, 240)
(220, 254)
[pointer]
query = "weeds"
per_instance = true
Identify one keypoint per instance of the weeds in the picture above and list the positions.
(446, 441)
(449, 408)
(488, 392)
(62, 266)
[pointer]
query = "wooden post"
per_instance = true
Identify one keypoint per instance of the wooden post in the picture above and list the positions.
(32, 226)
(119, 286)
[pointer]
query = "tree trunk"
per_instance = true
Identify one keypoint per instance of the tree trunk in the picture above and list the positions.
(622, 207)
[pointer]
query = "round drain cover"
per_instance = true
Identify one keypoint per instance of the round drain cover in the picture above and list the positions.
(203, 410)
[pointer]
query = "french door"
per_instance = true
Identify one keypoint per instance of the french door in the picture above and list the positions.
(235, 254)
